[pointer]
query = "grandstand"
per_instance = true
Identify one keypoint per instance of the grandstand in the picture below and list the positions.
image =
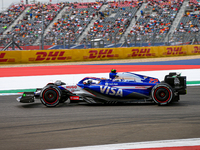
(117, 23)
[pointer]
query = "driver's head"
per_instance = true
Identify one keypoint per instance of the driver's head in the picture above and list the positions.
(113, 73)
(113, 70)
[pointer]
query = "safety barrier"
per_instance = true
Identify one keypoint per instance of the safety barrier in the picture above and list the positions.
(39, 56)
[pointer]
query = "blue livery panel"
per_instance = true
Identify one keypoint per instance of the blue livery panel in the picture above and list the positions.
(120, 84)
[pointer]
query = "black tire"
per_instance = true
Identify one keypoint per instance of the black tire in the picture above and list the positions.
(50, 96)
(162, 94)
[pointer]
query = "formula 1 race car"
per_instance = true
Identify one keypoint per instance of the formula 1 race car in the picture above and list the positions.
(119, 88)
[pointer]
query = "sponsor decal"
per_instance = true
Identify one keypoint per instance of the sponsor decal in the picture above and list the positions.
(141, 87)
(2, 58)
(196, 50)
(50, 55)
(133, 87)
(174, 51)
(176, 81)
(107, 53)
(111, 91)
(111, 83)
(141, 52)
(151, 80)
(75, 98)
(71, 87)
(27, 95)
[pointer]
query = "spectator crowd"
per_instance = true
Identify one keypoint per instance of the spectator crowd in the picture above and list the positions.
(109, 22)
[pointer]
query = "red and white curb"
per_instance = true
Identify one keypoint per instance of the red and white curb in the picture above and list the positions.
(179, 144)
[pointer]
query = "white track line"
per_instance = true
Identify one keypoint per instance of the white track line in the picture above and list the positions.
(136, 145)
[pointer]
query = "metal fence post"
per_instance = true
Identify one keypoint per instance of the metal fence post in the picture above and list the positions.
(42, 36)
(13, 45)
(25, 45)
(92, 45)
(115, 40)
(86, 42)
(110, 36)
(168, 39)
(69, 41)
(135, 38)
(64, 42)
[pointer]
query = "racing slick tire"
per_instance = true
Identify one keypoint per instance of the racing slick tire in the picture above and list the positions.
(50, 96)
(162, 94)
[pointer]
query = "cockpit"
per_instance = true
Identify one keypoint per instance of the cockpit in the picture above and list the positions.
(125, 76)
(91, 81)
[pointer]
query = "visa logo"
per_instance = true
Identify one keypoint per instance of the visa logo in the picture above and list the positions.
(111, 91)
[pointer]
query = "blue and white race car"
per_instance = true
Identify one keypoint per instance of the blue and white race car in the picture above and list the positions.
(119, 88)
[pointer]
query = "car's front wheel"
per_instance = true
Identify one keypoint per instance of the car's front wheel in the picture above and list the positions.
(50, 96)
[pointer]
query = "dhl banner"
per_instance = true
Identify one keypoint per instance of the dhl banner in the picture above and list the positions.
(34, 56)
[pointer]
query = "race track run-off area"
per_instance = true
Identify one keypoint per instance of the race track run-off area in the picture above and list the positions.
(98, 127)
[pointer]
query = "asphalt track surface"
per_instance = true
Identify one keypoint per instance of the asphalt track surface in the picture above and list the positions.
(34, 126)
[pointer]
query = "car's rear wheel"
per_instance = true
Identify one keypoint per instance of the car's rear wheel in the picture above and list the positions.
(50, 96)
(162, 94)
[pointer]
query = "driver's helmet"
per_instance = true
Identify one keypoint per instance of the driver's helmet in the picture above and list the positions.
(89, 81)
(113, 70)
(113, 74)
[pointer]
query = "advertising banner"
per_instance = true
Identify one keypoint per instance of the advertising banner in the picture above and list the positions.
(34, 56)
(140, 52)
(45, 56)
(10, 57)
(172, 51)
(193, 49)
(101, 54)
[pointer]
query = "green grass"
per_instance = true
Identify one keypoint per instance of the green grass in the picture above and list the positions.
(18, 91)
(193, 82)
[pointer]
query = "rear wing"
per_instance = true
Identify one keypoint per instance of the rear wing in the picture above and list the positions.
(176, 81)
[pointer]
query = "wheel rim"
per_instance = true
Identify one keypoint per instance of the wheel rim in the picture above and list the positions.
(50, 96)
(162, 94)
